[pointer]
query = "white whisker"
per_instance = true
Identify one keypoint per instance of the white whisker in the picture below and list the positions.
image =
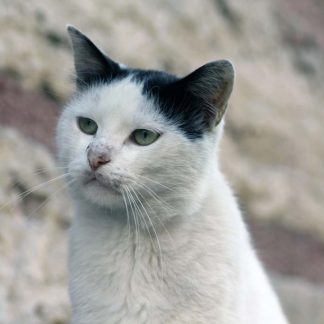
(49, 197)
(127, 213)
(31, 190)
(140, 213)
(157, 218)
(154, 181)
(135, 220)
(155, 196)
(156, 235)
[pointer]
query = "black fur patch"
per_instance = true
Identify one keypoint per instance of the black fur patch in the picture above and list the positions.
(173, 101)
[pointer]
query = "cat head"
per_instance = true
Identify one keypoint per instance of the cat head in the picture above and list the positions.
(130, 134)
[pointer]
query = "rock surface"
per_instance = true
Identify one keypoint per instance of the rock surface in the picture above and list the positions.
(33, 288)
(302, 301)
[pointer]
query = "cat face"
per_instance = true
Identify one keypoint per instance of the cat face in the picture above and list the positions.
(145, 136)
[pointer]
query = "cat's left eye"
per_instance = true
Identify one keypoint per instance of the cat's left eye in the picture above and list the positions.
(144, 136)
(87, 125)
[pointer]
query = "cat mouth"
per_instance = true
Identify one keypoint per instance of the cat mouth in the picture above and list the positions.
(99, 181)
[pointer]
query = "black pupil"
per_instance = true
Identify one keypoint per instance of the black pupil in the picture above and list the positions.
(145, 134)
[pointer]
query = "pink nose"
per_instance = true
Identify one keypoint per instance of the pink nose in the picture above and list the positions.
(96, 160)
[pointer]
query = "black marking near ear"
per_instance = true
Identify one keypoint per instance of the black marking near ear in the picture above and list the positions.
(91, 65)
(195, 103)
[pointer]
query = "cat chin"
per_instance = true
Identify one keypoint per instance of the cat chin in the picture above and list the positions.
(102, 196)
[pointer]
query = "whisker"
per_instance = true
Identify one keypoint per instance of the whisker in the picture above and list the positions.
(136, 208)
(44, 171)
(134, 218)
(154, 181)
(49, 197)
(155, 233)
(160, 222)
(154, 195)
(141, 214)
(127, 213)
(31, 190)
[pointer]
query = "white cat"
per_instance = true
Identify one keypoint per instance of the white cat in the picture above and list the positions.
(157, 236)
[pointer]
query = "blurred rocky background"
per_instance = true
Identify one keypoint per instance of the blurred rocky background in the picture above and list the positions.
(273, 149)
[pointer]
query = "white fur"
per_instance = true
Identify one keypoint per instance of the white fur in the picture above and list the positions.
(192, 261)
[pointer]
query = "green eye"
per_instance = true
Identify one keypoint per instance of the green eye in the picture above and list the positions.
(144, 136)
(87, 125)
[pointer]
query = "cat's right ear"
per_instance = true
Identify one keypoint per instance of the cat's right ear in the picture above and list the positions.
(91, 64)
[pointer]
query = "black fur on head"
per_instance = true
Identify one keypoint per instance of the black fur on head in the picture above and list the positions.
(195, 103)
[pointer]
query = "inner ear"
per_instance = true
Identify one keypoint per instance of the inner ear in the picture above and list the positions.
(91, 64)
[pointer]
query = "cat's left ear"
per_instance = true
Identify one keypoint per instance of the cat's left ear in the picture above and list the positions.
(91, 64)
(212, 85)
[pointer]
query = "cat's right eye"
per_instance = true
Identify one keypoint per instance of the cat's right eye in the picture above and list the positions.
(87, 125)
(144, 137)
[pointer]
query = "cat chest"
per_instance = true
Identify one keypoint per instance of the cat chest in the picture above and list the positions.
(119, 283)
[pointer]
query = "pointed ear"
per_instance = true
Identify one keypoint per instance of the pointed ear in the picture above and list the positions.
(91, 65)
(212, 85)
